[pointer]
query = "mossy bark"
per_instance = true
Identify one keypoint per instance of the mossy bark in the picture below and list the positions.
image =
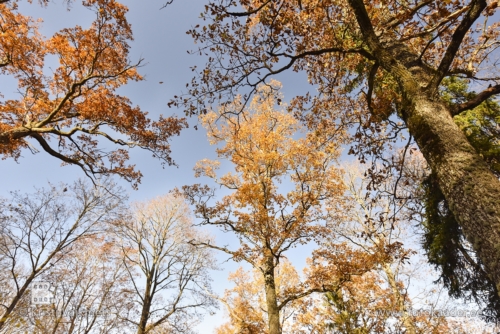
(470, 188)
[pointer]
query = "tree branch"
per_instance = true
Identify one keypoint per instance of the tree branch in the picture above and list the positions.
(253, 11)
(371, 81)
(319, 52)
(480, 98)
(298, 296)
(79, 84)
(394, 21)
(365, 24)
(225, 250)
(167, 3)
(476, 7)
(58, 155)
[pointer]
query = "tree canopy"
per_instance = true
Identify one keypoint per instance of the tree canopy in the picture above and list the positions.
(70, 111)
(260, 143)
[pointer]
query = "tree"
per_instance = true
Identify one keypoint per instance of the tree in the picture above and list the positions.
(39, 229)
(389, 298)
(169, 275)
(374, 223)
(262, 144)
(376, 220)
(68, 113)
(379, 68)
(376, 301)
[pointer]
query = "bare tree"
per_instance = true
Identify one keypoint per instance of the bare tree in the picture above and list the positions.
(39, 229)
(173, 280)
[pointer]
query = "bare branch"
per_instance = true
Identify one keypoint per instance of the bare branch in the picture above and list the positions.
(58, 155)
(166, 4)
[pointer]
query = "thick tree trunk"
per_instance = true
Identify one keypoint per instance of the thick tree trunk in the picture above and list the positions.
(470, 188)
(273, 312)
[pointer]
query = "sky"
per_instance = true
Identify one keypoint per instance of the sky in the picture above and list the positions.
(160, 38)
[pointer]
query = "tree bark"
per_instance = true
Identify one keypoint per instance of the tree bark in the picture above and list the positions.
(6, 138)
(273, 313)
(470, 188)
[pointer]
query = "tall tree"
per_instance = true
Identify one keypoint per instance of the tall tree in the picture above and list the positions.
(70, 111)
(376, 220)
(169, 275)
(261, 142)
(374, 63)
(462, 271)
(389, 298)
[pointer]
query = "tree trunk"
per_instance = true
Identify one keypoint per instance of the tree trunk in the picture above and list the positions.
(405, 316)
(273, 312)
(468, 185)
(470, 188)
(146, 306)
(15, 301)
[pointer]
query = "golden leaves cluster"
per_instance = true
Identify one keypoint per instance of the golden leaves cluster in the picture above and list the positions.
(268, 149)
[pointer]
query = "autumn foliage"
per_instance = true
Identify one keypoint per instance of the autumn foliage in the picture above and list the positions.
(268, 147)
(407, 87)
(69, 111)
(380, 69)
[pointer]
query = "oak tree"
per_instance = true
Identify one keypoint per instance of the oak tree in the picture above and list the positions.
(268, 146)
(246, 301)
(374, 220)
(71, 110)
(391, 297)
(378, 67)
(461, 271)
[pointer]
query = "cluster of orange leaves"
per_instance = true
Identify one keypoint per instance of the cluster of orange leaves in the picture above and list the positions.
(68, 111)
